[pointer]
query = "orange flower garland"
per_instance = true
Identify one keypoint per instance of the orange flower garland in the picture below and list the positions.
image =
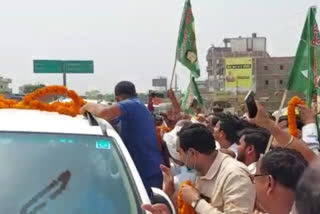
(31, 101)
(182, 207)
(292, 115)
(4, 103)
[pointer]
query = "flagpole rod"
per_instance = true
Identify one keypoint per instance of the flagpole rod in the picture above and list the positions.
(173, 71)
(277, 118)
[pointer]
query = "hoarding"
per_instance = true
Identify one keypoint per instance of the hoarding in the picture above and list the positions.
(238, 74)
(159, 82)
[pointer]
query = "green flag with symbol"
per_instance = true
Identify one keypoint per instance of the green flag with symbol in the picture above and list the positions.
(186, 48)
(192, 97)
(304, 75)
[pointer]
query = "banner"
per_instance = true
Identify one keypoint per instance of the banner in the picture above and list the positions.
(238, 74)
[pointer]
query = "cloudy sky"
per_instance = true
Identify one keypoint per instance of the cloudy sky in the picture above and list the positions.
(133, 39)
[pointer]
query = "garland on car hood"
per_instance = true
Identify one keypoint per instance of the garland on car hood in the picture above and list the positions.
(31, 101)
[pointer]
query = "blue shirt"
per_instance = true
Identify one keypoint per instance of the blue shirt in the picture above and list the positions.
(137, 130)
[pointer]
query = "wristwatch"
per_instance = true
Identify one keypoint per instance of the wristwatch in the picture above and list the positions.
(195, 203)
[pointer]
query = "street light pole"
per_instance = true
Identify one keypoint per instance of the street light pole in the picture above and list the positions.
(64, 74)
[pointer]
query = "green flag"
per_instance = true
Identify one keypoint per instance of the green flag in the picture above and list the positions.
(192, 97)
(186, 47)
(305, 71)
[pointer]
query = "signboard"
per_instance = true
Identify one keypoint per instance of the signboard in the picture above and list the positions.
(159, 82)
(238, 74)
(47, 66)
(78, 66)
(60, 66)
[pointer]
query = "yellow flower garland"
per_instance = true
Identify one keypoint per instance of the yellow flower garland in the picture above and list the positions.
(31, 101)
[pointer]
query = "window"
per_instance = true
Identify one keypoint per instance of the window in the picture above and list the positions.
(267, 82)
(265, 68)
(281, 67)
(220, 71)
(66, 173)
(281, 82)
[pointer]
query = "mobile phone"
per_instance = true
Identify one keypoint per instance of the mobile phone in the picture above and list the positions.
(251, 104)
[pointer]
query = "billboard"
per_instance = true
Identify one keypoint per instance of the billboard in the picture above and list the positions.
(159, 82)
(238, 74)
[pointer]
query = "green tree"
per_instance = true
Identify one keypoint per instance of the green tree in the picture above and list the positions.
(94, 94)
(29, 88)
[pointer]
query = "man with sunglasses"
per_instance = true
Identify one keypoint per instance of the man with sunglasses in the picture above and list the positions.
(276, 178)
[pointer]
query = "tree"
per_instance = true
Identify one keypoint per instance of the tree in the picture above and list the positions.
(109, 97)
(93, 94)
(29, 88)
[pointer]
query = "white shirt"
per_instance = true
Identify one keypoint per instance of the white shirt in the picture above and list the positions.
(185, 175)
(252, 168)
(233, 148)
(310, 137)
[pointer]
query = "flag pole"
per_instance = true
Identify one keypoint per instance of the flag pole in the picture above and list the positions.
(277, 118)
(173, 71)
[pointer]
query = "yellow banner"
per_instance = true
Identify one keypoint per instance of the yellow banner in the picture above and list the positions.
(238, 73)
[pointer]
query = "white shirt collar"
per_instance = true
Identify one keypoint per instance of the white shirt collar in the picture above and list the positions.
(252, 168)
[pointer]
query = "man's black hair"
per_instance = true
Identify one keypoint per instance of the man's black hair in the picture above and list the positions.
(285, 165)
(198, 137)
(308, 191)
(257, 137)
(125, 88)
(230, 125)
(245, 124)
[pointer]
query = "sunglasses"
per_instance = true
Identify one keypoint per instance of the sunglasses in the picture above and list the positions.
(253, 177)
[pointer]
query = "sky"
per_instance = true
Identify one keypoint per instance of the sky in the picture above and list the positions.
(133, 39)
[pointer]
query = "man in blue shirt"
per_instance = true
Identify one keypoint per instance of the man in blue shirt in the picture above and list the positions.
(137, 130)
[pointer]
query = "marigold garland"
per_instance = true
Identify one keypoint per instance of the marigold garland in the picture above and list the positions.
(292, 126)
(31, 101)
(182, 207)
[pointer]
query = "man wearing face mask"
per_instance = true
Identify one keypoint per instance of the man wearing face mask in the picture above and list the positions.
(222, 185)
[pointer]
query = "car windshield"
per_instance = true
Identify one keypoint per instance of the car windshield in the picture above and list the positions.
(65, 174)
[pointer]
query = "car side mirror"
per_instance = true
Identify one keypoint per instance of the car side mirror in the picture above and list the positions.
(160, 197)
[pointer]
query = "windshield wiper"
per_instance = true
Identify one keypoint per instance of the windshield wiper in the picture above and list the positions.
(63, 179)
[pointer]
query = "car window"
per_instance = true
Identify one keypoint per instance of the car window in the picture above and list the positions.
(65, 174)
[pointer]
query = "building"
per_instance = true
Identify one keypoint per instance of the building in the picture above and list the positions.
(271, 81)
(5, 85)
(244, 64)
(254, 47)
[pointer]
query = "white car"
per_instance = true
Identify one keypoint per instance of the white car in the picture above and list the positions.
(57, 164)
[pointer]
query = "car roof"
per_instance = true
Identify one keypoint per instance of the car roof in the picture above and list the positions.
(41, 121)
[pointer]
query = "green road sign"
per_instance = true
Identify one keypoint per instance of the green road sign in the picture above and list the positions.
(60, 66)
(47, 66)
(78, 66)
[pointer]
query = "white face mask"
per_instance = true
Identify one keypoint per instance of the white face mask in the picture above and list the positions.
(194, 165)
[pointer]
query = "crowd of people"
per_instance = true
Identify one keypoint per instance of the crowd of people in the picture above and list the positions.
(221, 155)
